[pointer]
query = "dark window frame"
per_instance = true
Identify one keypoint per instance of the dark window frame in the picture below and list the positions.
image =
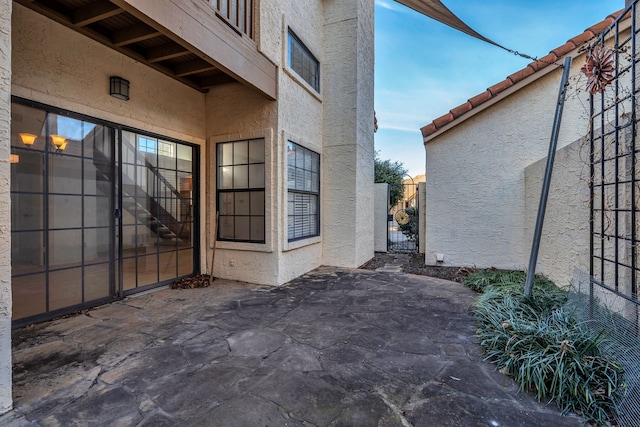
(312, 171)
(252, 190)
(306, 65)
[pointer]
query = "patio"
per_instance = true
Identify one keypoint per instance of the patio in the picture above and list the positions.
(334, 347)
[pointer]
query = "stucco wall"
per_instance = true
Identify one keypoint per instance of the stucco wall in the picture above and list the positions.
(5, 207)
(564, 245)
(234, 113)
(475, 212)
(326, 121)
(381, 206)
(57, 66)
(348, 133)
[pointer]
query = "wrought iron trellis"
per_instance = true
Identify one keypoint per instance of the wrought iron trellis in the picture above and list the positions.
(609, 296)
(615, 175)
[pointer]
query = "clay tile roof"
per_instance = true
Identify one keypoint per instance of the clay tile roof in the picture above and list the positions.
(518, 76)
(499, 87)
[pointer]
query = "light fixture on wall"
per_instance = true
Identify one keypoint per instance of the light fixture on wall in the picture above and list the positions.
(28, 138)
(119, 88)
(14, 158)
(60, 142)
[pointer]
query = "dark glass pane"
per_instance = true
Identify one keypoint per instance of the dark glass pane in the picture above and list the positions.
(65, 248)
(97, 178)
(65, 174)
(257, 228)
(27, 211)
(241, 176)
(226, 203)
(65, 211)
(97, 244)
(226, 227)
(27, 252)
(168, 265)
(29, 295)
(147, 270)
(185, 262)
(242, 203)
(256, 151)
(257, 203)
(96, 282)
(242, 228)
(65, 288)
(97, 211)
(26, 175)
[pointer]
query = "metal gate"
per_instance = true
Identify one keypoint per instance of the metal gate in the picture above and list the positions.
(403, 221)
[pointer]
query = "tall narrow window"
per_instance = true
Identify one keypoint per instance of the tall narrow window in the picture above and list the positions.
(240, 185)
(303, 172)
(303, 62)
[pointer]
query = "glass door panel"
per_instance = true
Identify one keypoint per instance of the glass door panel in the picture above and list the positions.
(73, 245)
(157, 216)
(62, 200)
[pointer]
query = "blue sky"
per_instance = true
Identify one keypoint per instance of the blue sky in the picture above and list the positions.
(424, 68)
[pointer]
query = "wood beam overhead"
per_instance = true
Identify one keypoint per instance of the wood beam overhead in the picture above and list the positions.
(193, 67)
(95, 12)
(133, 34)
(159, 33)
(164, 52)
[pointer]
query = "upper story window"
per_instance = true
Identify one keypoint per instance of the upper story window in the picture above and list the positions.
(302, 61)
(238, 13)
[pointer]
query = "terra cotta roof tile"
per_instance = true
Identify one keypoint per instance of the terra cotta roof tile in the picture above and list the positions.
(518, 76)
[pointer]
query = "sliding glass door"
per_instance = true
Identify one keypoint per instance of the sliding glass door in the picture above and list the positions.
(98, 212)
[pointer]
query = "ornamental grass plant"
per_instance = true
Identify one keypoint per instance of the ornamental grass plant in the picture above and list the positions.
(538, 341)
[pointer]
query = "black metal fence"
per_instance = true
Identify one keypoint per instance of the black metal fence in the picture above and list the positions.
(607, 296)
(615, 228)
(403, 222)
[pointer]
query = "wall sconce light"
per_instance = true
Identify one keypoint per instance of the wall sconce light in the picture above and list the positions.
(28, 138)
(119, 88)
(60, 142)
(14, 158)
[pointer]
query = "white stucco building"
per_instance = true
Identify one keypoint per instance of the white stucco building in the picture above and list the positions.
(127, 125)
(485, 161)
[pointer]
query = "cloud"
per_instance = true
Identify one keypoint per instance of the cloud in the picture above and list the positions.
(390, 5)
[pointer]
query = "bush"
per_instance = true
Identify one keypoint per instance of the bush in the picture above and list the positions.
(410, 229)
(540, 343)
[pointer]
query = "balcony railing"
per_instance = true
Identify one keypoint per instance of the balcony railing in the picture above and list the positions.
(238, 14)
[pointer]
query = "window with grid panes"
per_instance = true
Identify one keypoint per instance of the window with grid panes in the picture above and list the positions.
(303, 172)
(240, 191)
(303, 62)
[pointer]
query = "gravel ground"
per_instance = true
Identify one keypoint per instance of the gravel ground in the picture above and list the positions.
(415, 265)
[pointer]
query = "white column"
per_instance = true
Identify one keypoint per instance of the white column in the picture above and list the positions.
(347, 161)
(5, 207)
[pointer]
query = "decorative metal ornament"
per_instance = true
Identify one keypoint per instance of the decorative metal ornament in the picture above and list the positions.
(402, 217)
(599, 69)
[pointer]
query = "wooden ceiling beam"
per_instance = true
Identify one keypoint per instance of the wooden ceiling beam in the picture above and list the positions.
(94, 12)
(193, 67)
(133, 34)
(168, 51)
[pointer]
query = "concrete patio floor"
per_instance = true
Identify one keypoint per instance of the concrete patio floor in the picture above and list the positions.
(335, 347)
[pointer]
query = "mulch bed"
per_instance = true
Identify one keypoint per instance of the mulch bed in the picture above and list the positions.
(199, 281)
(415, 265)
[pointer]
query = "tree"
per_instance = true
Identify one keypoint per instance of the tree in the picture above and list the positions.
(391, 173)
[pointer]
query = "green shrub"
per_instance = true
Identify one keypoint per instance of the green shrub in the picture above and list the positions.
(538, 341)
